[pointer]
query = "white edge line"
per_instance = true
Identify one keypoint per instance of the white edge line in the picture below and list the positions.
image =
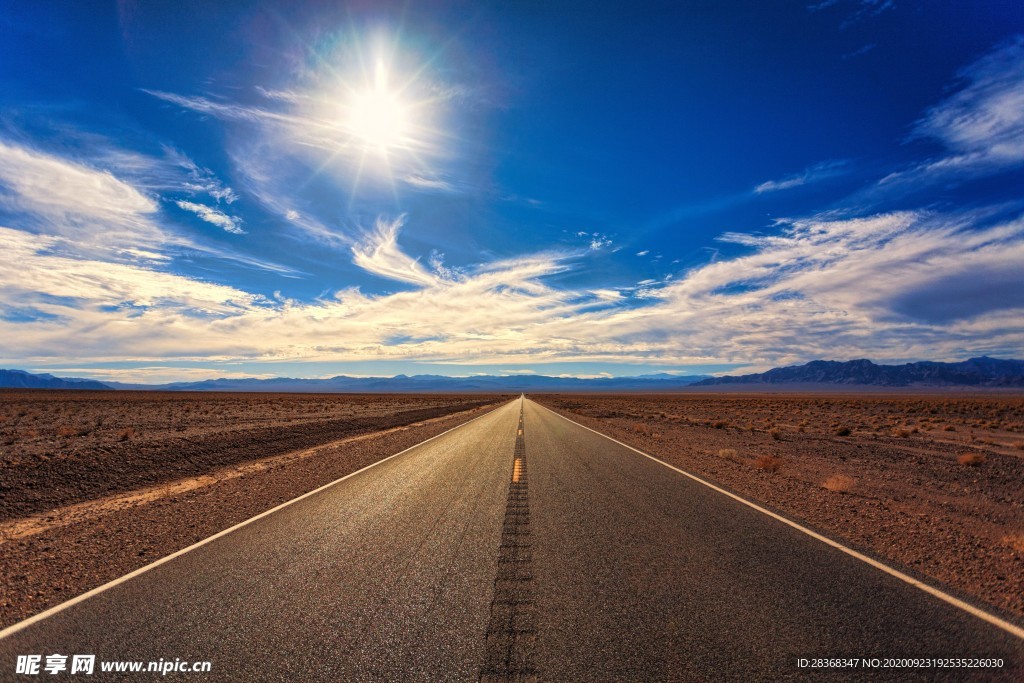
(1012, 629)
(14, 628)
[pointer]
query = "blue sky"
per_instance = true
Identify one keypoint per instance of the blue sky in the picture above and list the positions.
(193, 189)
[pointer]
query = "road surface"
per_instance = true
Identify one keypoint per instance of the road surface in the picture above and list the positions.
(520, 546)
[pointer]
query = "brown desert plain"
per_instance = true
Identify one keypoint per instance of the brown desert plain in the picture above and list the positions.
(933, 484)
(96, 484)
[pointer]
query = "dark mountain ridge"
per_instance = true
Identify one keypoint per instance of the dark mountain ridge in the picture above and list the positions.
(19, 379)
(397, 384)
(975, 372)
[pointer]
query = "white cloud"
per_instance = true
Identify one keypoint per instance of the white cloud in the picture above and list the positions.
(425, 183)
(890, 287)
(200, 180)
(260, 166)
(214, 216)
(98, 214)
(58, 196)
(607, 294)
(645, 252)
(858, 10)
(818, 172)
(379, 254)
(981, 126)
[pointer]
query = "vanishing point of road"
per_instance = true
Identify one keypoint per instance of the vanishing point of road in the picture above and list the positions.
(517, 547)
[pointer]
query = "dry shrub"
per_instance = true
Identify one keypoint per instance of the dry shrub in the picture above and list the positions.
(839, 483)
(768, 463)
(72, 431)
(125, 434)
(1015, 541)
(949, 428)
(971, 459)
(775, 434)
(843, 431)
(728, 454)
(720, 424)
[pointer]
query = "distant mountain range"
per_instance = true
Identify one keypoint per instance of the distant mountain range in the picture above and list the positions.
(397, 384)
(19, 379)
(976, 372)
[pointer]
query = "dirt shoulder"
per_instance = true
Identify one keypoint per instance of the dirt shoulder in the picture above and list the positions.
(52, 556)
(932, 484)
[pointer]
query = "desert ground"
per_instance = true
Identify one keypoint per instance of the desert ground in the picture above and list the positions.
(96, 484)
(931, 483)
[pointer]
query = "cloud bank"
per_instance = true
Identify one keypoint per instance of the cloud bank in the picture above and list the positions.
(980, 127)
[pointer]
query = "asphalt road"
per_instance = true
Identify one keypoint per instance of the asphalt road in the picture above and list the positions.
(508, 550)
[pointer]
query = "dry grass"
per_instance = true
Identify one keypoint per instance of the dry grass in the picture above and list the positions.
(1015, 541)
(839, 483)
(731, 455)
(971, 459)
(768, 463)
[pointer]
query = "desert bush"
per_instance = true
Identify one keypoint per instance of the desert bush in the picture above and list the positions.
(949, 428)
(125, 434)
(768, 463)
(971, 459)
(1015, 541)
(843, 431)
(727, 453)
(720, 424)
(775, 434)
(839, 483)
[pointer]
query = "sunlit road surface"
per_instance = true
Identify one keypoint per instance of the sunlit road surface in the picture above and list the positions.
(520, 546)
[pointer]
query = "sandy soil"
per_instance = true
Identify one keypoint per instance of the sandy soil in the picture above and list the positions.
(934, 484)
(237, 456)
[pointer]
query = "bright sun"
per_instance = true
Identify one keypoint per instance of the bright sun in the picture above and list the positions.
(378, 116)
